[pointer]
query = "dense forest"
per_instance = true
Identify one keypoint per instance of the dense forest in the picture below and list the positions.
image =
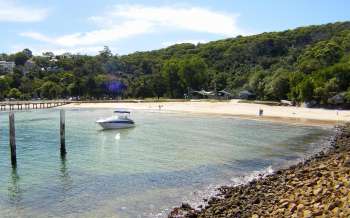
(307, 64)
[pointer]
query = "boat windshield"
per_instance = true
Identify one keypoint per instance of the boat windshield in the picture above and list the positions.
(122, 112)
(123, 116)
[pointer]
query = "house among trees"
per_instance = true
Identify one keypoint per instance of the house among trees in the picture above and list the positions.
(202, 94)
(29, 66)
(210, 94)
(6, 66)
(337, 99)
(224, 95)
(245, 94)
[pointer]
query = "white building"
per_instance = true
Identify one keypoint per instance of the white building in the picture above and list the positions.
(7, 66)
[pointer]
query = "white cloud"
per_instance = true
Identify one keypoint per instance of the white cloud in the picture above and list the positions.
(12, 12)
(114, 33)
(192, 41)
(124, 21)
(77, 50)
(100, 36)
(192, 18)
(57, 50)
(37, 36)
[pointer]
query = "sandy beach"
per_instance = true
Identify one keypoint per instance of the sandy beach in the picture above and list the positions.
(312, 116)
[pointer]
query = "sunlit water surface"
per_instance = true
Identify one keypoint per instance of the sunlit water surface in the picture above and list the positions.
(139, 172)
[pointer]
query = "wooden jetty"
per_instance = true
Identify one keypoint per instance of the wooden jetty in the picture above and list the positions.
(26, 105)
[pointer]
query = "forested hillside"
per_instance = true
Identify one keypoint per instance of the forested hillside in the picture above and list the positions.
(304, 64)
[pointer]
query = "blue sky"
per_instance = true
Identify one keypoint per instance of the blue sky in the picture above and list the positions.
(85, 26)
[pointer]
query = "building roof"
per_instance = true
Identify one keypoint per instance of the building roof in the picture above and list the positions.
(203, 92)
(224, 92)
(246, 92)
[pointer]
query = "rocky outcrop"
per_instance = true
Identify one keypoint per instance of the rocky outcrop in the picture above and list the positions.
(318, 187)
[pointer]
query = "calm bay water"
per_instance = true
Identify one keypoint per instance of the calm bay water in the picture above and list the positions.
(139, 172)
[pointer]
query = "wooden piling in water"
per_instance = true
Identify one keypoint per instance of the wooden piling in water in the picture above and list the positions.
(12, 136)
(62, 133)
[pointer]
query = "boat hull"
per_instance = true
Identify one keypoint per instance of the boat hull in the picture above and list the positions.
(106, 125)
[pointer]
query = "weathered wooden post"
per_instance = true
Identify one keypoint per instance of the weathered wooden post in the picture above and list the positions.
(62, 133)
(12, 135)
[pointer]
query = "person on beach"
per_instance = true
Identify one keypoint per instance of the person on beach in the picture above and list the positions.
(261, 111)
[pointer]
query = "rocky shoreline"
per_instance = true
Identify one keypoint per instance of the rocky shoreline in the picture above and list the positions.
(317, 187)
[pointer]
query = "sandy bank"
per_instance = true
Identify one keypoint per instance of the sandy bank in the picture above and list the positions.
(233, 108)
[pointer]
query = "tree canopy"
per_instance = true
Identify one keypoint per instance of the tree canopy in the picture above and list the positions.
(305, 64)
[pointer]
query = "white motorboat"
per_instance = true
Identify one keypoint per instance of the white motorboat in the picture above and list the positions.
(121, 121)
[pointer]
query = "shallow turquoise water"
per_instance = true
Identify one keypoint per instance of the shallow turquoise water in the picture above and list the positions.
(139, 172)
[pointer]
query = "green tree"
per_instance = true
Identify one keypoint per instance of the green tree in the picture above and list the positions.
(193, 73)
(101, 81)
(26, 86)
(4, 86)
(269, 64)
(105, 54)
(295, 78)
(257, 84)
(21, 58)
(170, 72)
(28, 53)
(219, 81)
(278, 88)
(158, 83)
(347, 96)
(332, 86)
(50, 90)
(14, 93)
(143, 88)
(324, 53)
(306, 90)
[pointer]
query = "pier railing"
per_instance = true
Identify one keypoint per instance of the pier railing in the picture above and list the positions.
(25, 105)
